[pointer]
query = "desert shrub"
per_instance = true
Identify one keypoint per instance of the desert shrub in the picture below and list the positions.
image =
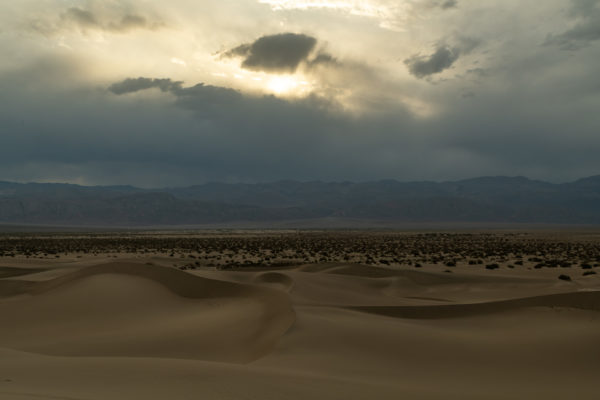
(564, 277)
(492, 266)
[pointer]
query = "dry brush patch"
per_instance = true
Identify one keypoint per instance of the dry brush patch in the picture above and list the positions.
(232, 250)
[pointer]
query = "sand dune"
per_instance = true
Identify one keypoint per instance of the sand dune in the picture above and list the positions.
(124, 330)
(141, 310)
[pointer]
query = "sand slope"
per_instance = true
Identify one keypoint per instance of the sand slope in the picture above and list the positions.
(125, 330)
(121, 309)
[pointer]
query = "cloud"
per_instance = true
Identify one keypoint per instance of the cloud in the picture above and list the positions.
(442, 58)
(323, 59)
(217, 94)
(131, 85)
(443, 4)
(449, 4)
(81, 17)
(67, 130)
(87, 19)
(282, 52)
(424, 66)
(206, 101)
(113, 20)
(586, 31)
(534, 112)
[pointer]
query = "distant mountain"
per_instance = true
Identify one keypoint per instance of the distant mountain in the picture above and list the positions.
(479, 200)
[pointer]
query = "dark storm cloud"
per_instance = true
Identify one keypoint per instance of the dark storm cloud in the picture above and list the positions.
(424, 66)
(132, 85)
(201, 133)
(586, 31)
(526, 119)
(213, 96)
(205, 101)
(283, 52)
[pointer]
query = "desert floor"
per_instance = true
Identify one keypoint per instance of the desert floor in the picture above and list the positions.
(290, 315)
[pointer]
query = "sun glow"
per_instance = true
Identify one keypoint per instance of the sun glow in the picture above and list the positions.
(282, 84)
(289, 85)
(361, 7)
(389, 13)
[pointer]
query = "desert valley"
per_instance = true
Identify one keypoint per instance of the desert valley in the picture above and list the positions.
(300, 314)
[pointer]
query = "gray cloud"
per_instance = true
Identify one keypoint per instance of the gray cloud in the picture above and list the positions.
(130, 22)
(586, 31)
(86, 19)
(436, 4)
(283, 52)
(442, 58)
(424, 66)
(82, 17)
(132, 85)
(448, 4)
(205, 133)
(507, 111)
(188, 97)
(583, 8)
(323, 59)
(116, 20)
(201, 132)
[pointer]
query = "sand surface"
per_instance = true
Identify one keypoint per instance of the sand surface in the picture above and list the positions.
(134, 328)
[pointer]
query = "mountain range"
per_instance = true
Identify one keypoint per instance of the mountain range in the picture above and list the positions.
(478, 200)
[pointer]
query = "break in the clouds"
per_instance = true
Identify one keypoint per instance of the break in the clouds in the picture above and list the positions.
(94, 92)
(281, 52)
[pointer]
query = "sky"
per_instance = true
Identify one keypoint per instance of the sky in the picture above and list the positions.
(154, 93)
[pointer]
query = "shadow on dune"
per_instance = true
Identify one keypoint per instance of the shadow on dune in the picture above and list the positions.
(276, 280)
(578, 300)
(417, 277)
(9, 272)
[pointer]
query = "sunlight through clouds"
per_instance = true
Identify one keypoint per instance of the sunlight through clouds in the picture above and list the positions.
(389, 13)
(451, 77)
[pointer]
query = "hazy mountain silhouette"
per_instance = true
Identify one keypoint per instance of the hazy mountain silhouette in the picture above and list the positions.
(485, 199)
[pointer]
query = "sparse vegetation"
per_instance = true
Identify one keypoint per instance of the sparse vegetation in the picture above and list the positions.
(270, 248)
